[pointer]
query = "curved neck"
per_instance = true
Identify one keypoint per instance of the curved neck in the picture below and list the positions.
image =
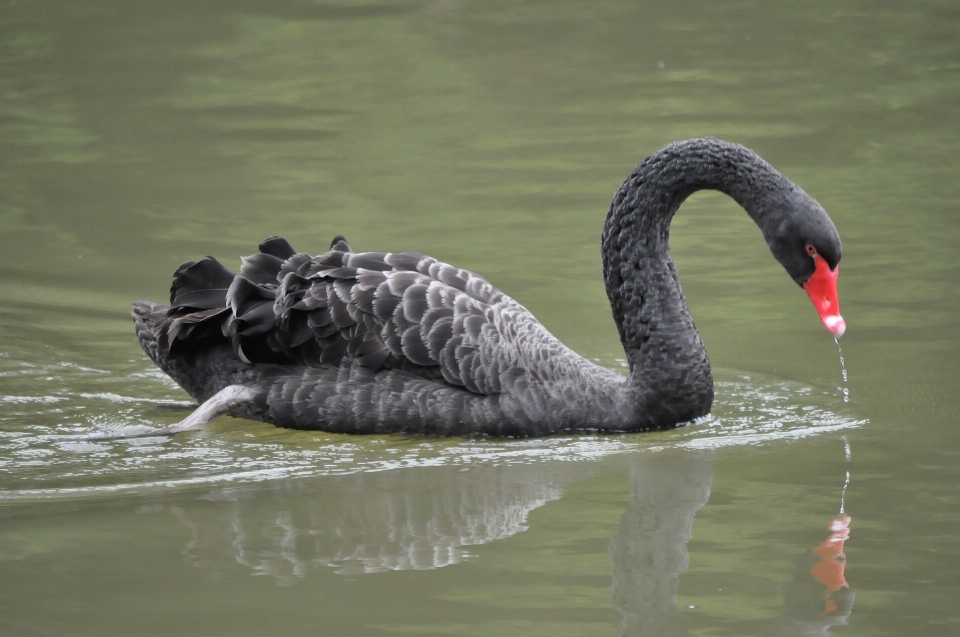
(666, 356)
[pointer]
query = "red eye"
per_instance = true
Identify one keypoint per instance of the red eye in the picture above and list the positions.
(811, 250)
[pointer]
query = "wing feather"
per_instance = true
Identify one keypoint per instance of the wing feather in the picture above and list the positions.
(403, 311)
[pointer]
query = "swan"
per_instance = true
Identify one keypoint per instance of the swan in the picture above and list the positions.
(373, 342)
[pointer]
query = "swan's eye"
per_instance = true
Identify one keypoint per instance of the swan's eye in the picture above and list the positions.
(811, 250)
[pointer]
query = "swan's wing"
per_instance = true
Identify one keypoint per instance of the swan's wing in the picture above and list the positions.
(402, 311)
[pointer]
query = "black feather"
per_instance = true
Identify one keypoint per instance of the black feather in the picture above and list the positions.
(448, 361)
(414, 348)
(300, 263)
(414, 302)
(315, 297)
(338, 273)
(289, 297)
(327, 261)
(401, 321)
(340, 244)
(369, 280)
(436, 297)
(385, 302)
(261, 268)
(453, 277)
(440, 332)
(400, 281)
(404, 260)
(170, 330)
(333, 353)
(364, 299)
(432, 316)
(243, 293)
(257, 319)
(391, 338)
(369, 261)
(320, 318)
(202, 284)
(340, 313)
(344, 289)
(298, 331)
(277, 247)
(472, 325)
(325, 331)
(369, 345)
(468, 359)
(375, 360)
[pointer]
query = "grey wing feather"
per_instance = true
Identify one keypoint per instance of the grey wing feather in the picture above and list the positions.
(385, 311)
(397, 311)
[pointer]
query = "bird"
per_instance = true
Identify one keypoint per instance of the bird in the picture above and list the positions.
(377, 343)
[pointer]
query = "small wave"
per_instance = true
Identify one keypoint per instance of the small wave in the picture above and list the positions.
(70, 460)
(22, 400)
(117, 398)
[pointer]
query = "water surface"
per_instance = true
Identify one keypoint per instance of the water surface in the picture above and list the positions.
(137, 135)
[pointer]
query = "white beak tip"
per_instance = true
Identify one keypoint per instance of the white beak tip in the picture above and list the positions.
(835, 325)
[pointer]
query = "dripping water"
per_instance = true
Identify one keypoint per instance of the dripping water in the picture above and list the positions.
(843, 370)
(843, 494)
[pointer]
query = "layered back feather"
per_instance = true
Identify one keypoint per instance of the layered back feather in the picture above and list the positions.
(377, 317)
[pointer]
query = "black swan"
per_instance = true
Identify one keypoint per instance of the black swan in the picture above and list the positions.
(376, 342)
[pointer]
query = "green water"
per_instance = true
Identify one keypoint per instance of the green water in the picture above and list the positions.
(135, 135)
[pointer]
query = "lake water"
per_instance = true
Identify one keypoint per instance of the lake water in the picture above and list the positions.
(137, 135)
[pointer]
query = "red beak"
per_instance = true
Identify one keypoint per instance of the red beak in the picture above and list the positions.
(822, 289)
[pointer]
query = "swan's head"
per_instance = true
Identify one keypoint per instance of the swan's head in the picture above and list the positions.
(804, 240)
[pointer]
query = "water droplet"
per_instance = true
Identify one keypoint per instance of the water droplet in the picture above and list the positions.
(843, 372)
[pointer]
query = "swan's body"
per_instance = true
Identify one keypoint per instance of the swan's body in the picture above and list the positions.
(374, 343)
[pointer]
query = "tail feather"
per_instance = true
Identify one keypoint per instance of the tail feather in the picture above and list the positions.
(147, 317)
(190, 339)
(200, 285)
(204, 325)
(278, 247)
(197, 339)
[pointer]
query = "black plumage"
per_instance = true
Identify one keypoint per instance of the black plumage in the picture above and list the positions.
(384, 342)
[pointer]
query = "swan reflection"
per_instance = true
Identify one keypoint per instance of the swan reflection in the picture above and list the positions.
(430, 517)
(371, 522)
(818, 596)
(650, 551)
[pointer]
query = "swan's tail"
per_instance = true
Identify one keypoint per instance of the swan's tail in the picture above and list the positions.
(147, 317)
(190, 339)
(202, 368)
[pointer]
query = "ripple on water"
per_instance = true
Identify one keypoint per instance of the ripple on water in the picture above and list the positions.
(38, 460)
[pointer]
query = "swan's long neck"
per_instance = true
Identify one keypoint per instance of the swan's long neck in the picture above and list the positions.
(668, 363)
